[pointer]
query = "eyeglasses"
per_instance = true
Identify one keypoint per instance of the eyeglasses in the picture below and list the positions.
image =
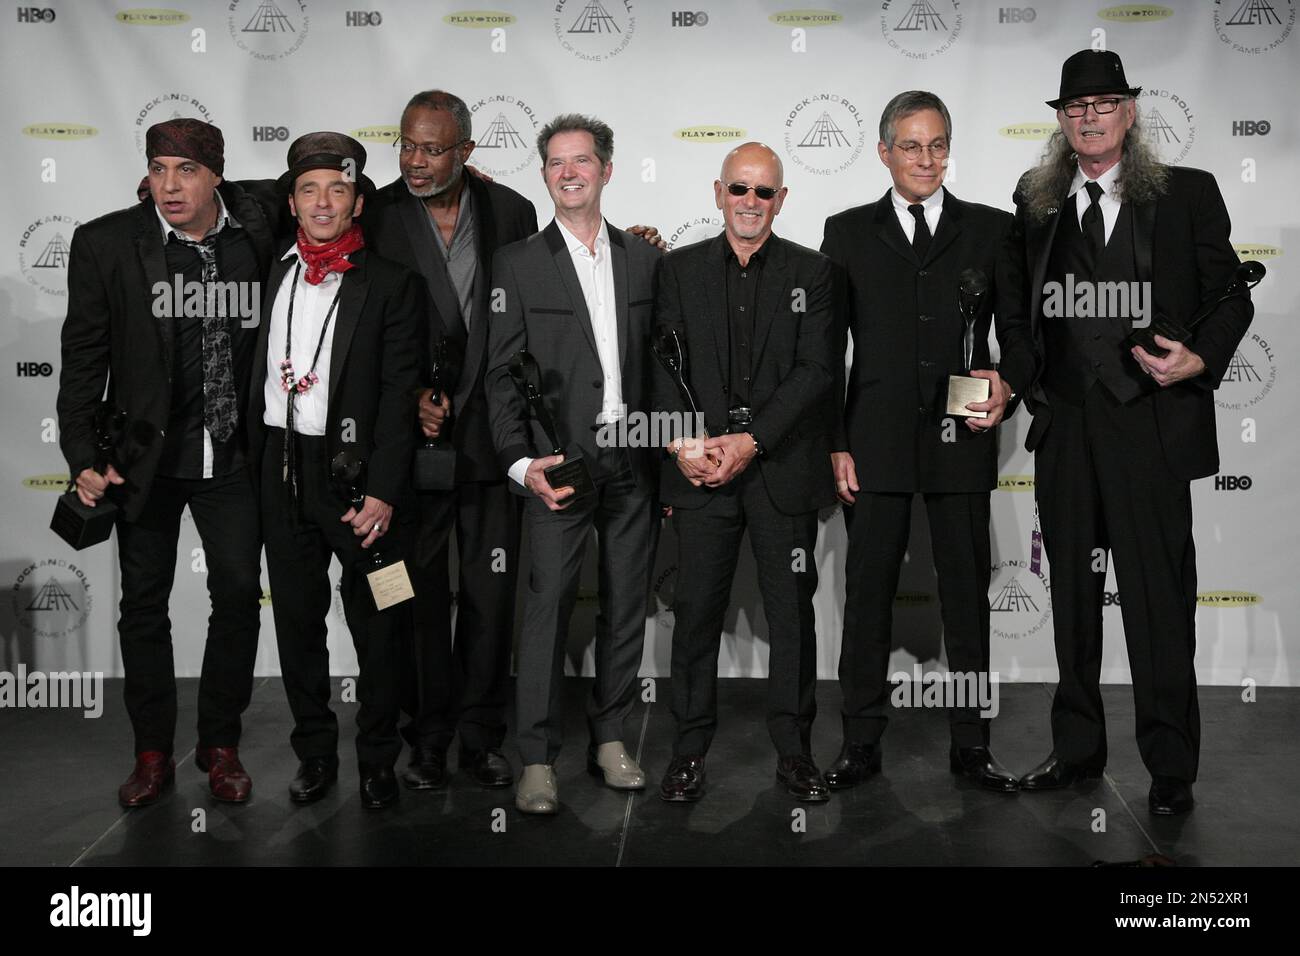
(407, 148)
(937, 150)
(762, 192)
(1100, 107)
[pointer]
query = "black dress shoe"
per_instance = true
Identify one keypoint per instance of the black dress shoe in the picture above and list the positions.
(488, 768)
(1055, 773)
(427, 769)
(1169, 796)
(802, 779)
(683, 780)
(315, 775)
(378, 787)
(855, 764)
(978, 765)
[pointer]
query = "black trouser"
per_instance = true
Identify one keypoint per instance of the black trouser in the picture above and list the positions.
(1102, 483)
(298, 551)
(465, 682)
(225, 514)
(708, 546)
(878, 527)
(626, 522)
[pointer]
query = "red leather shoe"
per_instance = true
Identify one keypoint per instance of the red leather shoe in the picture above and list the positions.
(227, 779)
(154, 772)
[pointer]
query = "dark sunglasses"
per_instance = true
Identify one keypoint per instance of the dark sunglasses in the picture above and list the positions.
(762, 192)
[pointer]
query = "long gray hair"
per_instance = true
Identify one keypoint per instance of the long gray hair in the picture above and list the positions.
(1142, 179)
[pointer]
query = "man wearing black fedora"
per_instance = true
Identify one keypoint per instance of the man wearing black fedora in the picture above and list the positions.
(332, 421)
(1118, 432)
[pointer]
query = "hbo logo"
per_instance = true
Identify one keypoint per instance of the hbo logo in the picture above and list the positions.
(1232, 482)
(270, 134)
(1017, 15)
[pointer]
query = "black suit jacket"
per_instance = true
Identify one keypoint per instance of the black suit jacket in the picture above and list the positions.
(112, 338)
(374, 371)
(907, 339)
(397, 227)
(1181, 246)
(793, 366)
(545, 312)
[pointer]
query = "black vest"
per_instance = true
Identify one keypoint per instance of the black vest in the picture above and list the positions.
(1082, 350)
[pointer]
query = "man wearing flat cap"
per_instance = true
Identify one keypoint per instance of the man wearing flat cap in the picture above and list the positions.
(159, 313)
(1119, 430)
(331, 430)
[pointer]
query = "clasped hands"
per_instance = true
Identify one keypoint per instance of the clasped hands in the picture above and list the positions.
(713, 462)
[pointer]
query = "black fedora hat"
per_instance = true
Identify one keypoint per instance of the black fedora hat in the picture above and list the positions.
(1090, 72)
(326, 150)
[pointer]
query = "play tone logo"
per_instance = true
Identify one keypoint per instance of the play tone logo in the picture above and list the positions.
(75, 908)
(806, 18)
(1135, 13)
(60, 131)
(1015, 482)
(382, 134)
(144, 17)
(74, 690)
(479, 19)
(46, 482)
(710, 134)
(1227, 599)
(1255, 250)
(1031, 131)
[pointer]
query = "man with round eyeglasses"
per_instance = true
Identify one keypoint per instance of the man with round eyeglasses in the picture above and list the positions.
(902, 260)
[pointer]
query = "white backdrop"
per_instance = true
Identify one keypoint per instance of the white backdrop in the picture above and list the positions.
(84, 80)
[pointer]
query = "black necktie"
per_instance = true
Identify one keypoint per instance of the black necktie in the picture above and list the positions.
(220, 409)
(1094, 227)
(921, 234)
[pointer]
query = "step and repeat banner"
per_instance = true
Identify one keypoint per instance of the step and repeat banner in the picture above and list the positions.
(680, 86)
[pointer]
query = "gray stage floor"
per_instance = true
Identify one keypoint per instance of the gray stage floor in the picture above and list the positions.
(58, 805)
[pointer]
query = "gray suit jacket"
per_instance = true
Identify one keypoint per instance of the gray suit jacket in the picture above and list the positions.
(537, 304)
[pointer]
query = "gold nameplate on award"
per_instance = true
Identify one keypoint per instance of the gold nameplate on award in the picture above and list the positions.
(390, 585)
(963, 389)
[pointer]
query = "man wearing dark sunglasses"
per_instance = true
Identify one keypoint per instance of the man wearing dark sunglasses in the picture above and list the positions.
(754, 312)
(1118, 432)
(902, 259)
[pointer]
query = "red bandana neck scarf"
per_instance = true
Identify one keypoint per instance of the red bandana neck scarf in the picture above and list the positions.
(331, 257)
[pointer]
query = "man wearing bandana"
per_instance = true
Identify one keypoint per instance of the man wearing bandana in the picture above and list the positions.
(180, 374)
(336, 370)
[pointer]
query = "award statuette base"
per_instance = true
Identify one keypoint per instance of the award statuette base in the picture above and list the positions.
(80, 526)
(1146, 337)
(571, 473)
(434, 468)
(963, 389)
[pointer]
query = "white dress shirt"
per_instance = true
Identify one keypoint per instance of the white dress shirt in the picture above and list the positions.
(933, 204)
(596, 276)
(310, 305)
(1109, 201)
